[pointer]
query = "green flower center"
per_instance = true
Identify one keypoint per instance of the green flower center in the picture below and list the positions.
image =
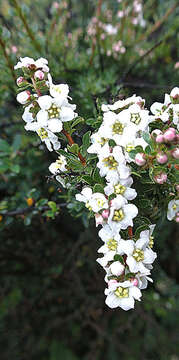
(53, 112)
(110, 162)
(117, 128)
(118, 215)
(119, 189)
(42, 133)
(112, 244)
(59, 163)
(151, 241)
(122, 292)
(135, 118)
(138, 255)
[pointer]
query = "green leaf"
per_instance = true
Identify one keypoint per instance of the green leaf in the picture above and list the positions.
(87, 179)
(52, 205)
(73, 148)
(119, 258)
(17, 142)
(15, 168)
(86, 139)
(148, 150)
(147, 138)
(98, 188)
(4, 146)
(77, 121)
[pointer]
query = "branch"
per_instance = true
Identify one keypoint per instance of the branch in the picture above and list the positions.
(10, 66)
(29, 209)
(71, 142)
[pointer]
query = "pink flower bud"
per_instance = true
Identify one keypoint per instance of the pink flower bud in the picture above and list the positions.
(23, 97)
(140, 159)
(177, 219)
(177, 138)
(161, 158)
(169, 134)
(117, 268)
(39, 75)
(175, 153)
(134, 282)
(160, 178)
(21, 81)
(14, 49)
(111, 282)
(105, 214)
(159, 139)
(99, 219)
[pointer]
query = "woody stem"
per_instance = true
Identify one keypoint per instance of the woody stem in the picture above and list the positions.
(71, 142)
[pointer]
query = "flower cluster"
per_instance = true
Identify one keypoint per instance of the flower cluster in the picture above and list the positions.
(130, 150)
(127, 262)
(44, 114)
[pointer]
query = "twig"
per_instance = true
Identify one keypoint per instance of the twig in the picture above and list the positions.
(10, 66)
(29, 31)
(158, 23)
(140, 59)
(71, 142)
(23, 211)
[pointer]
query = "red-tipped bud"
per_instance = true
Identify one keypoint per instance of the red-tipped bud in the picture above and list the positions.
(160, 178)
(159, 139)
(39, 75)
(175, 153)
(169, 134)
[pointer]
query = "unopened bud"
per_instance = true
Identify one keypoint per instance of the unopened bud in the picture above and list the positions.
(99, 219)
(175, 153)
(159, 139)
(177, 188)
(1, 218)
(29, 201)
(140, 159)
(117, 268)
(39, 75)
(105, 214)
(160, 178)
(169, 134)
(134, 282)
(161, 158)
(21, 81)
(23, 97)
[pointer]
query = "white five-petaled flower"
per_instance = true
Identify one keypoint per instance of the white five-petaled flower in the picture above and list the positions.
(59, 165)
(40, 63)
(173, 209)
(122, 104)
(59, 91)
(46, 136)
(122, 294)
(111, 243)
(93, 201)
(121, 214)
(112, 164)
(138, 255)
(121, 187)
(98, 141)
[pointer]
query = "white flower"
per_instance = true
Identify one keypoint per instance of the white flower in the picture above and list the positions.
(174, 92)
(111, 243)
(98, 141)
(148, 235)
(26, 62)
(121, 214)
(112, 164)
(122, 295)
(116, 127)
(137, 118)
(111, 30)
(122, 187)
(46, 136)
(138, 254)
(143, 280)
(53, 113)
(85, 197)
(58, 165)
(121, 104)
(98, 202)
(60, 91)
(173, 209)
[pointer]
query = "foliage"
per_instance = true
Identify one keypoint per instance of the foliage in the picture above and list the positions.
(65, 287)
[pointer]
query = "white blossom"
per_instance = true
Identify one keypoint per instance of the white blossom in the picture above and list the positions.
(46, 136)
(59, 165)
(121, 214)
(121, 187)
(122, 294)
(173, 209)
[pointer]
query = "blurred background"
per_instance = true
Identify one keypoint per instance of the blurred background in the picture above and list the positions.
(52, 290)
